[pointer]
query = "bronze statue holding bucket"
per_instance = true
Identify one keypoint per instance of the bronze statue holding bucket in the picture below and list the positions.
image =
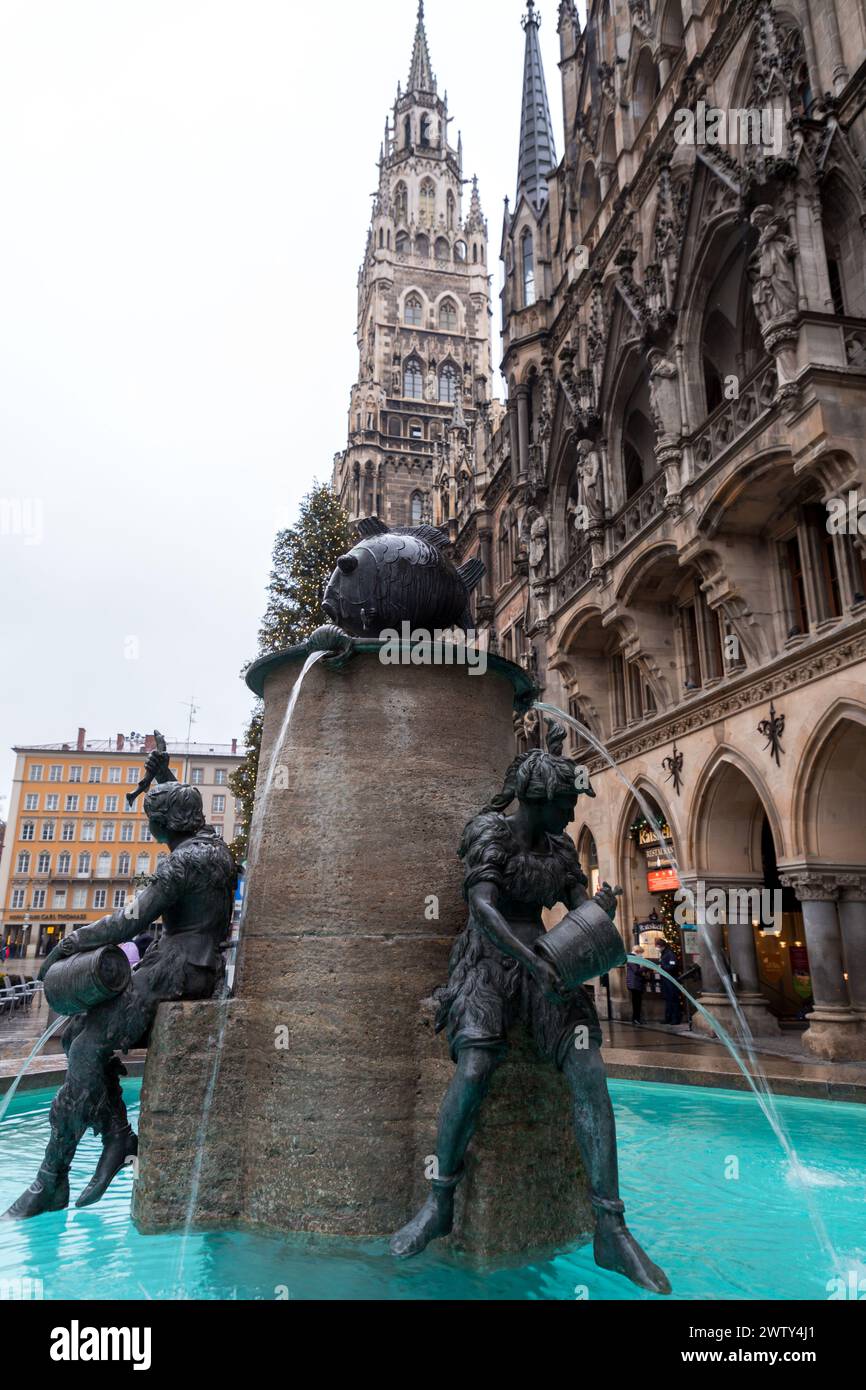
(505, 968)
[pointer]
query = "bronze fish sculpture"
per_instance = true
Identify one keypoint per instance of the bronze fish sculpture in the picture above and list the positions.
(400, 575)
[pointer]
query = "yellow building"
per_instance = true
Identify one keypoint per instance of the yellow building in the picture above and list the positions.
(73, 848)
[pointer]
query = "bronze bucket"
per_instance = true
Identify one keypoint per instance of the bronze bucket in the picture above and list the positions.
(87, 979)
(584, 945)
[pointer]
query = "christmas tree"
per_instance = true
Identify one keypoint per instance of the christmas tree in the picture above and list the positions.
(305, 557)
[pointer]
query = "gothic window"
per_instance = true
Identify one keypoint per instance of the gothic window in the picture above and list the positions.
(443, 250)
(812, 569)
(645, 88)
(395, 428)
(504, 556)
(638, 451)
(701, 634)
(428, 202)
(474, 253)
(422, 247)
(448, 316)
(844, 246)
(731, 344)
(401, 202)
(449, 384)
(527, 253)
(381, 238)
(451, 210)
(671, 27)
(460, 251)
(402, 244)
(413, 380)
(407, 133)
(425, 132)
(589, 196)
(416, 509)
(414, 311)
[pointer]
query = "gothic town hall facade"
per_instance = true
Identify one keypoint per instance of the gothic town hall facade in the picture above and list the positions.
(668, 504)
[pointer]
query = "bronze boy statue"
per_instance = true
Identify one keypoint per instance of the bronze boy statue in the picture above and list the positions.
(515, 866)
(192, 892)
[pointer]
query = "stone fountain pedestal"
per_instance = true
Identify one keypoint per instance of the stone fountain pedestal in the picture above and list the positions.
(321, 1108)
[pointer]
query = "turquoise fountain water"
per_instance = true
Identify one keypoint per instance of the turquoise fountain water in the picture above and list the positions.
(703, 1178)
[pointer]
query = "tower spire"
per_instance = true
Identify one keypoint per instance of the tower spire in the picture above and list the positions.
(537, 145)
(421, 77)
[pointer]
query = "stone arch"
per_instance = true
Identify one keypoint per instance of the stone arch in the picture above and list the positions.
(628, 866)
(644, 561)
(717, 314)
(830, 786)
(730, 801)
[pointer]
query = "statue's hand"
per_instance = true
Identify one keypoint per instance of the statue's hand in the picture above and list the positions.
(157, 766)
(606, 898)
(549, 981)
(69, 946)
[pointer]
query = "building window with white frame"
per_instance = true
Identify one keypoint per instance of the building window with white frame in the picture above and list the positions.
(28, 830)
(95, 775)
(91, 804)
(59, 898)
(132, 776)
(52, 802)
(22, 863)
(75, 774)
(36, 772)
(127, 832)
(55, 773)
(19, 898)
(64, 862)
(144, 834)
(111, 804)
(67, 831)
(38, 899)
(43, 863)
(220, 777)
(124, 864)
(31, 802)
(71, 803)
(88, 830)
(114, 775)
(48, 829)
(119, 899)
(79, 898)
(106, 833)
(84, 864)
(103, 866)
(100, 898)
(197, 777)
(218, 805)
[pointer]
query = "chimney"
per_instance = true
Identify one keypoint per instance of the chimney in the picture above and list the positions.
(120, 741)
(234, 747)
(81, 737)
(149, 743)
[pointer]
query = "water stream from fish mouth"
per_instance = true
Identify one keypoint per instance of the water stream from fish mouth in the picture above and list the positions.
(758, 1080)
(49, 1033)
(253, 850)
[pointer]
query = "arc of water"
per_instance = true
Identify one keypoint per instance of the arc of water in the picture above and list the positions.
(10, 1094)
(256, 828)
(758, 1081)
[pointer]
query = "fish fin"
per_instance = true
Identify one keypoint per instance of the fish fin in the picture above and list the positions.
(371, 526)
(472, 573)
(436, 536)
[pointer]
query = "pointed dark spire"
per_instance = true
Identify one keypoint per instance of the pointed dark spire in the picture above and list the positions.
(421, 77)
(537, 145)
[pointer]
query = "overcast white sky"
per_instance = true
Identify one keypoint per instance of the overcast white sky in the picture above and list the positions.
(184, 199)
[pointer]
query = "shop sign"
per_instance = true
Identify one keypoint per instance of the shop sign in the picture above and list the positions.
(662, 880)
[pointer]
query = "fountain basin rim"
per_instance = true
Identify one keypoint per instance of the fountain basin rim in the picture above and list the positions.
(525, 689)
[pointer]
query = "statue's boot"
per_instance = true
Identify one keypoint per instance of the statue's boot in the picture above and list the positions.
(616, 1248)
(118, 1150)
(48, 1192)
(434, 1220)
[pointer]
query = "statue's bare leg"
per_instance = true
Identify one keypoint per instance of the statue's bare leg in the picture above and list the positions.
(457, 1121)
(614, 1246)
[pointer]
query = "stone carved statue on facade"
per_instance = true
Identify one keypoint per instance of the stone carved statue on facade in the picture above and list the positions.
(664, 398)
(590, 494)
(539, 550)
(771, 270)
